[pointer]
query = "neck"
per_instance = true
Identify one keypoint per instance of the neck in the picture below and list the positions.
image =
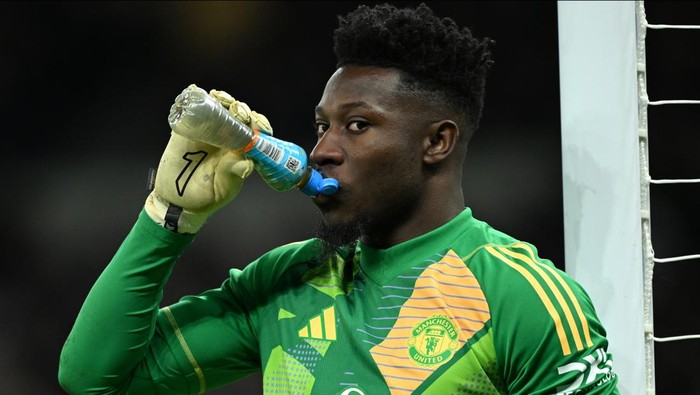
(427, 214)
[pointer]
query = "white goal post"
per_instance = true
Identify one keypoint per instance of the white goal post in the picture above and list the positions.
(601, 173)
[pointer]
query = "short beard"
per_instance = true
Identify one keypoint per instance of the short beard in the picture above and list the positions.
(333, 238)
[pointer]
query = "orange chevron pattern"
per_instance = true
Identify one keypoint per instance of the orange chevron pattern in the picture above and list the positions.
(446, 288)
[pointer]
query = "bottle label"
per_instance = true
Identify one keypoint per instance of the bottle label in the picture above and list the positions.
(293, 164)
(270, 150)
(280, 163)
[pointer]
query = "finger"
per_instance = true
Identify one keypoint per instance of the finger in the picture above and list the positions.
(223, 97)
(260, 122)
(236, 165)
(241, 111)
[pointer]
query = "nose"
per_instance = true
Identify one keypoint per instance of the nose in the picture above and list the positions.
(328, 150)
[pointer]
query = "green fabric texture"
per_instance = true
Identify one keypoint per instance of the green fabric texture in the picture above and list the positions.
(478, 367)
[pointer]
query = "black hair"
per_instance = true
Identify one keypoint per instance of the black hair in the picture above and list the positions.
(445, 64)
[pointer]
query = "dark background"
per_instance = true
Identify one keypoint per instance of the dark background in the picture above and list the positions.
(86, 92)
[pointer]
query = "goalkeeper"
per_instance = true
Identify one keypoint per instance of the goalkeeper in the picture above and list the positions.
(402, 291)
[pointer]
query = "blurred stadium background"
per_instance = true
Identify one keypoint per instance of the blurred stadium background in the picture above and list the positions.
(87, 90)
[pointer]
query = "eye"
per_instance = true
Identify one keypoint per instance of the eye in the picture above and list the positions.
(357, 126)
(320, 128)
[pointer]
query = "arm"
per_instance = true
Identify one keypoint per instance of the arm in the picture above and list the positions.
(121, 341)
(116, 323)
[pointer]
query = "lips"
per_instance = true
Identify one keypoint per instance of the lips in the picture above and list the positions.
(323, 201)
(329, 202)
(323, 171)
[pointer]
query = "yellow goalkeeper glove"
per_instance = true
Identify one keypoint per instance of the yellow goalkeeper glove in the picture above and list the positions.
(195, 179)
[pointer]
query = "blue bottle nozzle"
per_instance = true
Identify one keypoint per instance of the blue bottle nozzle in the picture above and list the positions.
(316, 184)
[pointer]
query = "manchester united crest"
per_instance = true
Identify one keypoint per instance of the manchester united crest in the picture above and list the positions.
(433, 341)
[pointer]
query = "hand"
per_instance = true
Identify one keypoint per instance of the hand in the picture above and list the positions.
(195, 179)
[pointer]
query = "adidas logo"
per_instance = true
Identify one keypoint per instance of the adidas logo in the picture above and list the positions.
(320, 327)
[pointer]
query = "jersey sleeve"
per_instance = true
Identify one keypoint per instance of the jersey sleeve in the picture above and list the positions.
(123, 342)
(201, 342)
(547, 335)
(212, 339)
(113, 329)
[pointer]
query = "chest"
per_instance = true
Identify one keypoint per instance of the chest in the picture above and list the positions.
(399, 337)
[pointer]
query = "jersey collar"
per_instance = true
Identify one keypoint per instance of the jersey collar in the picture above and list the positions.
(382, 265)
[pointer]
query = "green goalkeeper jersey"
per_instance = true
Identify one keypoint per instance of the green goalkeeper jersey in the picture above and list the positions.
(461, 309)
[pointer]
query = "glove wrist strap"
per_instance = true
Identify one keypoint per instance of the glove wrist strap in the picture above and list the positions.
(172, 216)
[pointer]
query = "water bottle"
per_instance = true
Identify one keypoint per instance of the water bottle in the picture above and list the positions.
(283, 165)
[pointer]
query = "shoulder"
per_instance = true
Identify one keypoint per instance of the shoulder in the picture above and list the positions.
(516, 274)
(538, 313)
(508, 267)
(537, 309)
(304, 251)
(524, 292)
(518, 283)
(282, 266)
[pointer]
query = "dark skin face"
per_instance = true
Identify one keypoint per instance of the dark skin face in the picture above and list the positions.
(393, 156)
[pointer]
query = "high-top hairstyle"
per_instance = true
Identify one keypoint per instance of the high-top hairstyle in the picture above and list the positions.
(437, 60)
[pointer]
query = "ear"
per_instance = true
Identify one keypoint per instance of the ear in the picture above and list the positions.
(442, 139)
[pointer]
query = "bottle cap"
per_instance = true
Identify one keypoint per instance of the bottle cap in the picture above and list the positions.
(318, 185)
